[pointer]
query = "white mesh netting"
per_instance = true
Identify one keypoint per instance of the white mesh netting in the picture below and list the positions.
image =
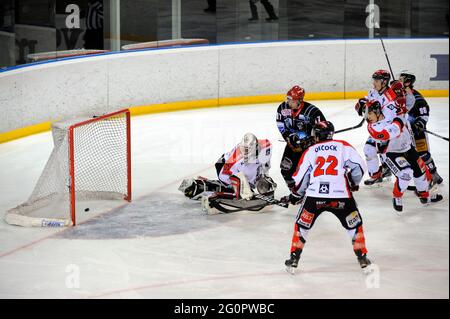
(100, 158)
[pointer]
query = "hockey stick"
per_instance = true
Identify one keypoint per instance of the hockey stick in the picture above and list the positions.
(356, 126)
(271, 200)
(390, 68)
(437, 135)
(351, 128)
(342, 130)
(365, 115)
(387, 58)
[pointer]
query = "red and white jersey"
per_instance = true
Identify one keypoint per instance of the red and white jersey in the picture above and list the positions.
(396, 133)
(234, 163)
(325, 169)
(387, 101)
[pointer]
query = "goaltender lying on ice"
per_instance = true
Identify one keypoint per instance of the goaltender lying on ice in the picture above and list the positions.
(240, 173)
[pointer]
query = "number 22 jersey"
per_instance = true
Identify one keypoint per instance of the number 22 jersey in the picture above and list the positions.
(326, 169)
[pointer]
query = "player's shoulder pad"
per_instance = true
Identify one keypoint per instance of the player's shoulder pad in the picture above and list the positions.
(264, 143)
(372, 92)
(345, 143)
(311, 107)
(311, 111)
(417, 93)
(399, 121)
(282, 106)
(418, 96)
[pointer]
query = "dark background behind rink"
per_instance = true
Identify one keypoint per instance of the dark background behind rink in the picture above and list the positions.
(35, 26)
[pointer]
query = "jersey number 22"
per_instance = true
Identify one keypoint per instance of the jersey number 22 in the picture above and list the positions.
(331, 168)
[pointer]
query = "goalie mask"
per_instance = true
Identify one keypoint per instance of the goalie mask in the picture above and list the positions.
(249, 148)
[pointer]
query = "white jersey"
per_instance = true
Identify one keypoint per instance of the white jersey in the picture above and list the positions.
(396, 133)
(326, 168)
(387, 101)
(234, 163)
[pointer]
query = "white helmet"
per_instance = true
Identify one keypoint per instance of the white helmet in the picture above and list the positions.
(249, 148)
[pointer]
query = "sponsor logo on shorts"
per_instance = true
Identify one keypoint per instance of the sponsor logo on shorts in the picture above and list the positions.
(306, 218)
(402, 162)
(353, 219)
(333, 204)
(392, 166)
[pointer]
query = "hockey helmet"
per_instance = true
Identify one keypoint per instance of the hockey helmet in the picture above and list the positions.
(373, 106)
(381, 75)
(408, 78)
(249, 148)
(323, 130)
(296, 93)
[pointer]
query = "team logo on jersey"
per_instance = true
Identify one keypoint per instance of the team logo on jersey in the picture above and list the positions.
(353, 219)
(324, 188)
(286, 112)
(306, 218)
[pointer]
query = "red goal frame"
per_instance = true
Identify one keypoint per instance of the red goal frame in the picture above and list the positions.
(72, 157)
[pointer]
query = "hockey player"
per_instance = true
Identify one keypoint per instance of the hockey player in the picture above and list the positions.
(295, 119)
(382, 93)
(401, 156)
(328, 172)
(418, 115)
(240, 172)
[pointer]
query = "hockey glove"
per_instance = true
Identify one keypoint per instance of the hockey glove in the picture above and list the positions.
(294, 142)
(360, 106)
(352, 186)
(293, 199)
(419, 124)
(294, 139)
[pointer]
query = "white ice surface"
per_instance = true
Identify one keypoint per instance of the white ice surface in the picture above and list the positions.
(162, 246)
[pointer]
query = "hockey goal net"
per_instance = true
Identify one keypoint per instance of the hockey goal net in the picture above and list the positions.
(90, 162)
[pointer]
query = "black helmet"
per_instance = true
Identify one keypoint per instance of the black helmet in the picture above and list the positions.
(373, 106)
(323, 130)
(408, 78)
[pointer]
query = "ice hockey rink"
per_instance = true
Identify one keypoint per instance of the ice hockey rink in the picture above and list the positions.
(162, 246)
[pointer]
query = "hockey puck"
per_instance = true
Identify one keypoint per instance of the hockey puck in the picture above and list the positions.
(86, 209)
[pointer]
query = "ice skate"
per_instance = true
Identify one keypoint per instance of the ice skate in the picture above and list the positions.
(397, 203)
(436, 180)
(433, 198)
(364, 261)
(292, 262)
(374, 179)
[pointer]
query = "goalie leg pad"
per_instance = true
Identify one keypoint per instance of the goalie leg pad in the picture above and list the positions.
(215, 204)
(241, 186)
(194, 188)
